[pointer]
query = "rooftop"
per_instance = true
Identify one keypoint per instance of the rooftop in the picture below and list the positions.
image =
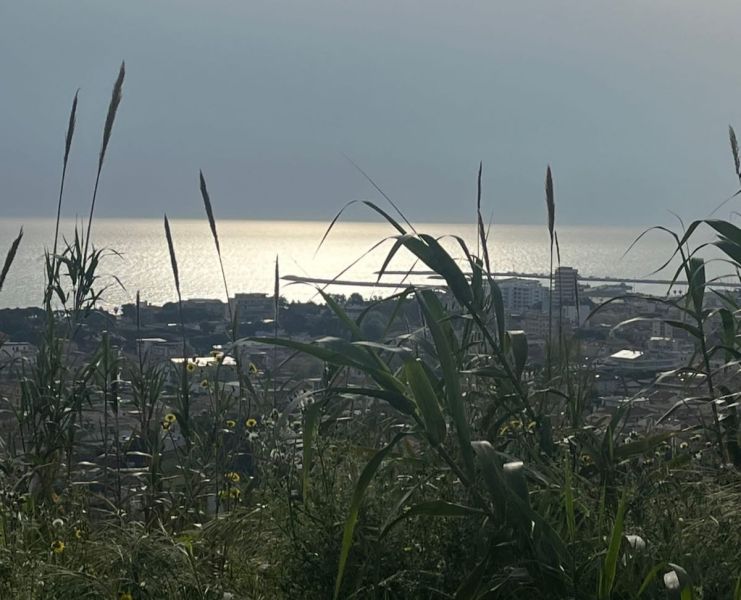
(627, 355)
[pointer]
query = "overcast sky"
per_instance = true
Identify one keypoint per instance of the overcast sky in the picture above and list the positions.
(628, 100)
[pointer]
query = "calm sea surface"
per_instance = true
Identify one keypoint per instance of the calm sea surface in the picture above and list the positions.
(250, 248)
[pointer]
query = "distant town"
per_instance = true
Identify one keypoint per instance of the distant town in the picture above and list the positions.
(627, 346)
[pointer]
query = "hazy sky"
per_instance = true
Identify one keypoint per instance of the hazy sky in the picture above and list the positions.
(628, 100)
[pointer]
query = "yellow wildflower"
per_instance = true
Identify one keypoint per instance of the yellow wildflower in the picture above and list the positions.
(233, 477)
(58, 546)
(253, 368)
(516, 424)
(191, 366)
(204, 384)
(165, 426)
(215, 352)
(126, 596)
(223, 494)
(531, 426)
(684, 445)
(170, 418)
(235, 493)
(504, 430)
(586, 459)
(78, 534)
(231, 424)
(250, 423)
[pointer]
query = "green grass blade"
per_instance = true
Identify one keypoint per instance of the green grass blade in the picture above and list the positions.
(434, 508)
(427, 401)
(352, 518)
(569, 502)
(491, 470)
(609, 567)
(518, 343)
(451, 376)
(650, 577)
(470, 587)
(311, 424)
(340, 353)
(398, 401)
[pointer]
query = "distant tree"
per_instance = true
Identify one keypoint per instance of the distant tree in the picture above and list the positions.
(293, 321)
(129, 311)
(355, 298)
(373, 326)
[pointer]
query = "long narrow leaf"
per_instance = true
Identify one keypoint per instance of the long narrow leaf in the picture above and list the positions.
(609, 568)
(363, 482)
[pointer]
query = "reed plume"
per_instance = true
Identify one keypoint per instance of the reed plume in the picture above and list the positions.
(482, 232)
(10, 257)
(107, 131)
(67, 148)
(212, 224)
(734, 151)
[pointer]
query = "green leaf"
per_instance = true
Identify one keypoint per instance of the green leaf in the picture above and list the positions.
(427, 402)
(518, 342)
(491, 470)
(731, 249)
(648, 444)
(650, 577)
(569, 502)
(472, 584)
(398, 401)
(691, 329)
(311, 423)
(609, 568)
(678, 584)
(452, 381)
(696, 271)
(340, 353)
(435, 257)
(498, 302)
(352, 518)
(729, 330)
(434, 508)
(342, 316)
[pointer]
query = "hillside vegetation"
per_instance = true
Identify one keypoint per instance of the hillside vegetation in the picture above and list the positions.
(447, 466)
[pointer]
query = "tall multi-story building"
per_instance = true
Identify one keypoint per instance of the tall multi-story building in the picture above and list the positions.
(661, 329)
(565, 287)
(210, 307)
(253, 306)
(521, 294)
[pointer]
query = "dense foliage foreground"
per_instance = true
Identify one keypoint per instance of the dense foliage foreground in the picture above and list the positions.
(445, 467)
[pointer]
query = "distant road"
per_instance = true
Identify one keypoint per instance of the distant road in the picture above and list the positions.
(580, 277)
(432, 274)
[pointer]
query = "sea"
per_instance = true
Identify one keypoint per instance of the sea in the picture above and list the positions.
(137, 257)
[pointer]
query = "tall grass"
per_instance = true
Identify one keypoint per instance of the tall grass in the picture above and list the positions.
(437, 462)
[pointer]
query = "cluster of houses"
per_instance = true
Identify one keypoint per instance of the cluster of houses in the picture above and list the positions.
(629, 345)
